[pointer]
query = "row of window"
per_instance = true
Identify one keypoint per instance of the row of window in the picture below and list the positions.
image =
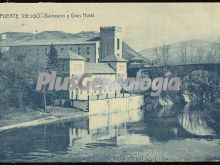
(80, 92)
(79, 50)
(61, 49)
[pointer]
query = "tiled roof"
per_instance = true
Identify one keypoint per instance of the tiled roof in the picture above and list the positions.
(113, 58)
(136, 58)
(70, 55)
(98, 68)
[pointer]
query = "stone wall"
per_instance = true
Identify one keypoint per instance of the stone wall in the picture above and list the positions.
(115, 104)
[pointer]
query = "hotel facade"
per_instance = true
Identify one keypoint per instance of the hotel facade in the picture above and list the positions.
(101, 56)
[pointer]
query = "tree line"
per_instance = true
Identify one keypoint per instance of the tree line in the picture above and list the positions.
(18, 81)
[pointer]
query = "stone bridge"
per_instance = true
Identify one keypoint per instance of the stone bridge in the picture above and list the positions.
(177, 70)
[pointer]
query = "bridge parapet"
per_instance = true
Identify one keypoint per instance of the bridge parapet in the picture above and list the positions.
(178, 70)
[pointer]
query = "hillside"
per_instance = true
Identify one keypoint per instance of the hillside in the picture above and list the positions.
(14, 36)
(49, 35)
(192, 51)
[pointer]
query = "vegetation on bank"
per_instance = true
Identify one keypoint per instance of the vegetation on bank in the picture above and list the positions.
(199, 87)
(18, 80)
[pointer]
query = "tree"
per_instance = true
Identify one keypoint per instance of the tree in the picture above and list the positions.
(157, 55)
(182, 55)
(4, 83)
(1, 55)
(199, 55)
(164, 54)
(22, 79)
(17, 83)
(213, 54)
(52, 59)
(52, 65)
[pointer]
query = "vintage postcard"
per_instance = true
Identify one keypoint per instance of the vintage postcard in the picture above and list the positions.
(109, 82)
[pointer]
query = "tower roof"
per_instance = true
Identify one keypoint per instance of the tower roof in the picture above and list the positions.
(110, 28)
(113, 58)
(71, 56)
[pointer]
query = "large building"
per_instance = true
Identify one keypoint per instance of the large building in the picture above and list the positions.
(108, 42)
(102, 56)
(39, 50)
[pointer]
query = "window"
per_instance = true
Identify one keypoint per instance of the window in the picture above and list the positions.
(62, 49)
(87, 59)
(79, 51)
(72, 94)
(118, 44)
(88, 50)
(71, 49)
(63, 67)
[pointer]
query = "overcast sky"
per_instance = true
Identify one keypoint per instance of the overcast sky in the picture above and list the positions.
(144, 25)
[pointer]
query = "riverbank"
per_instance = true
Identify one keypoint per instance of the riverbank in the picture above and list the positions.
(12, 118)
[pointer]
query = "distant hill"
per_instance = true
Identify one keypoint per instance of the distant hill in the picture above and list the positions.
(192, 51)
(12, 36)
(49, 35)
(59, 36)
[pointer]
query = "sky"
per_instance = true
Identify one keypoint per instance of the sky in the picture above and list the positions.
(144, 25)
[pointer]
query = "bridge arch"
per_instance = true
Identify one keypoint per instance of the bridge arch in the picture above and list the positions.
(183, 70)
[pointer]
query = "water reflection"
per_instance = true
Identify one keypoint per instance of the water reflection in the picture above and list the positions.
(179, 122)
(194, 122)
(102, 127)
(110, 130)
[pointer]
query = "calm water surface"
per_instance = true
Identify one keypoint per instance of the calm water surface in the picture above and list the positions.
(171, 134)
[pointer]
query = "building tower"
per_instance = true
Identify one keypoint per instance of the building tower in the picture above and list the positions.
(110, 41)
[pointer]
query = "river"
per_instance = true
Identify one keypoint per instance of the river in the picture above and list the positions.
(178, 133)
